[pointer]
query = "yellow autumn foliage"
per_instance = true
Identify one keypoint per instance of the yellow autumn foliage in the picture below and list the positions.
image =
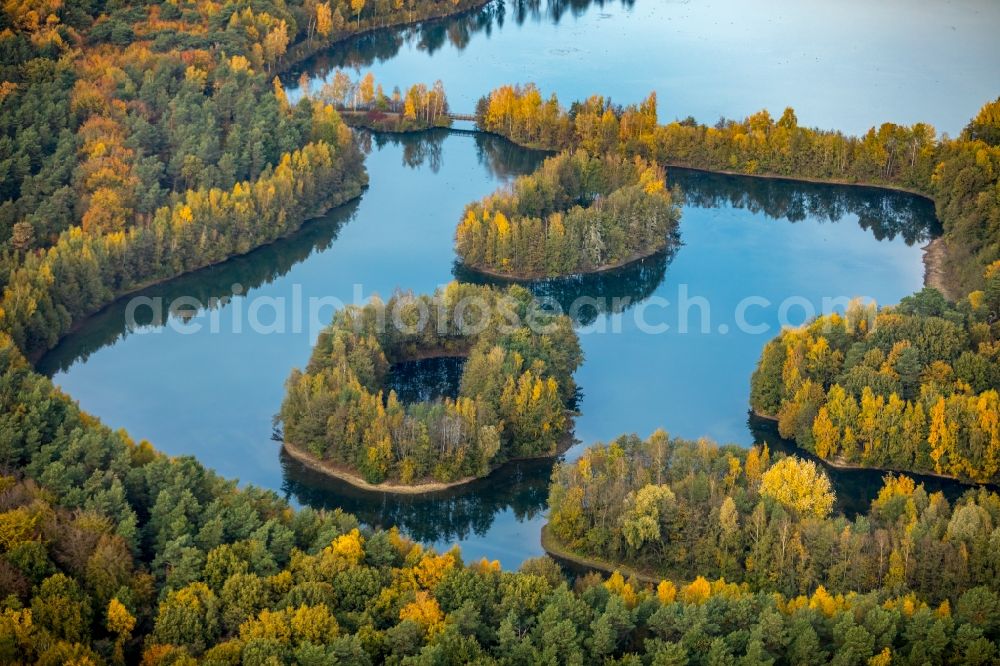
(349, 546)
(697, 591)
(800, 486)
(666, 592)
(425, 611)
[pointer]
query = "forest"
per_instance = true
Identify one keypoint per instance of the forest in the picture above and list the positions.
(677, 509)
(961, 175)
(365, 103)
(139, 141)
(910, 387)
(83, 272)
(577, 213)
(113, 553)
(120, 123)
(516, 386)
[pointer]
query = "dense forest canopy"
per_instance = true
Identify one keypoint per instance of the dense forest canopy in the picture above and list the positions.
(515, 387)
(117, 119)
(679, 509)
(139, 141)
(111, 552)
(962, 175)
(82, 271)
(576, 213)
(911, 387)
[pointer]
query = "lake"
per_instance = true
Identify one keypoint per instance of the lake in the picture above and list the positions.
(756, 253)
(842, 64)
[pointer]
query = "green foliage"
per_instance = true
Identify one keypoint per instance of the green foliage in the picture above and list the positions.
(224, 576)
(512, 403)
(966, 186)
(985, 126)
(577, 213)
(179, 113)
(798, 485)
(642, 518)
(962, 175)
(365, 104)
(127, 165)
(677, 509)
(204, 227)
(912, 387)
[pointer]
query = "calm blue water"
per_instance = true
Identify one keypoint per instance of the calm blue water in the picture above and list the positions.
(844, 64)
(213, 394)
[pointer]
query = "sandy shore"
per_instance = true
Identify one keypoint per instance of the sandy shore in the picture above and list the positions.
(934, 273)
(348, 476)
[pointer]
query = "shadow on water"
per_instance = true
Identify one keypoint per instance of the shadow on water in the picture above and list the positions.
(586, 297)
(502, 159)
(855, 488)
(886, 213)
(519, 488)
(264, 265)
(426, 379)
(208, 286)
(444, 516)
(431, 36)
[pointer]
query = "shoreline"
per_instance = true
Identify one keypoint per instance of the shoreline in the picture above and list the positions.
(801, 179)
(296, 59)
(304, 50)
(562, 554)
(933, 251)
(35, 356)
(843, 465)
(606, 268)
(764, 176)
(934, 254)
(343, 474)
(359, 120)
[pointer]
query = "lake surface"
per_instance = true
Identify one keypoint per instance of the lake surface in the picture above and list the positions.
(842, 64)
(203, 382)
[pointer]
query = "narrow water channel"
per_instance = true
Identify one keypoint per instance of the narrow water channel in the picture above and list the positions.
(201, 382)
(204, 383)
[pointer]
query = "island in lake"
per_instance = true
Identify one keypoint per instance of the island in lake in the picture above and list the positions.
(192, 193)
(515, 391)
